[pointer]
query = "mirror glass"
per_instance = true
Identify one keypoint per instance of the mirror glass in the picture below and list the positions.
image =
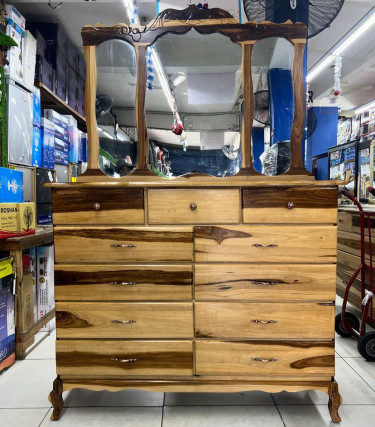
(193, 105)
(115, 107)
(273, 105)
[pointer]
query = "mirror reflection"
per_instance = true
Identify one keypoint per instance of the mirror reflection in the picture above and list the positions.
(193, 105)
(115, 107)
(273, 105)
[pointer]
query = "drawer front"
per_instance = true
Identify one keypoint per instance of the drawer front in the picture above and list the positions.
(270, 358)
(260, 282)
(123, 358)
(122, 320)
(116, 282)
(201, 206)
(84, 244)
(98, 206)
(264, 320)
(266, 243)
(289, 205)
(351, 243)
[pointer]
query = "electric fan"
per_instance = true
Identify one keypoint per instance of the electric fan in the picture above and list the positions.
(103, 105)
(311, 123)
(230, 152)
(320, 13)
(262, 107)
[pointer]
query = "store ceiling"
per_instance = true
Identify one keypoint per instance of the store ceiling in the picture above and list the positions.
(358, 72)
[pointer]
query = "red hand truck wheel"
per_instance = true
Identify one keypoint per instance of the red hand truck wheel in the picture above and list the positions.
(366, 346)
(350, 318)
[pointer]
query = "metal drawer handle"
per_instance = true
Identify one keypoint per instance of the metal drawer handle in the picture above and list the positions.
(259, 282)
(259, 245)
(123, 322)
(193, 206)
(123, 283)
(114, 245)
(97, 206)
(258, 359)
(116, 359)
(290, 205)
(264, 322)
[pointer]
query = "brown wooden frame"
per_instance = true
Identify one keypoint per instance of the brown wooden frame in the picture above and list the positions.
(205, 22)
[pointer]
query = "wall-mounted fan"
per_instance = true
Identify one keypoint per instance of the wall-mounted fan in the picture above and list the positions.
(230, 151)
(103, 105)
(262, 107)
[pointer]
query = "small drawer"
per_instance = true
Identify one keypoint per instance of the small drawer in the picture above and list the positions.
(264, 320)
(98, 206)
(123, 358)
(268, 358)
(300, 205)
(266, 243)
(201, 206)
(120, 244)
(128, 283)
(122, 320)
(299, 282)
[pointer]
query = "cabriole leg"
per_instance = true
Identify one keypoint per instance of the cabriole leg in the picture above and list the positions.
(335, 400)
(55, 397)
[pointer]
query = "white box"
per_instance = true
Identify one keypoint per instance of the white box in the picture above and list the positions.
(14, 55)
(29, 60)
(11, 13)
(45, 279)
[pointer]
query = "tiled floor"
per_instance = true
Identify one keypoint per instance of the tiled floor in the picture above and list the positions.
(25, 386)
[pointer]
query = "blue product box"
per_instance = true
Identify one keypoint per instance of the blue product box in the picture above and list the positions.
(37, 147)
(48, 141)
(61, 146)
(11, 186)
(59, 131)
(61, 158)
(36, 107)
(74, 144)
(84, 148)
(44, 73)
(61, 76)
(56, 118)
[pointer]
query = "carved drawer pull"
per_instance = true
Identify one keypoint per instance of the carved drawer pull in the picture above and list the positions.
(290, 205)
(264, 322)
(258, 359)
(269, 283)
(116, 359)
(193, 206)
(123, 283)
(123, 322)
(96, 206)
(122, 246)
(259, 245)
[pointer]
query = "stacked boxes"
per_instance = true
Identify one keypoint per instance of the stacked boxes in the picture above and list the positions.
(37, 133)
(11, 186)
(29, 60)
(17, 219)
(59, 125)
(45, 280)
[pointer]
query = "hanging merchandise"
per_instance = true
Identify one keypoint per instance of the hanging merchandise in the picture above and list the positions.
(177, 127)
(150, 68)
(337, 75)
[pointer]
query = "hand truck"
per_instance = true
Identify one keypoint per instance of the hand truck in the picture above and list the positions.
(347, 324)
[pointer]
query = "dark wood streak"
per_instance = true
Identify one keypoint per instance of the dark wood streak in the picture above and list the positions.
(219, 234)
(314, 362)
(247, 281)
(327, 304)
(285, 343)
(67, 320)
(354, 243)
(200, 334)
(356, 222)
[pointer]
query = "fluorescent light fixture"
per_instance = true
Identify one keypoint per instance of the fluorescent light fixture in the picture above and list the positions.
(365, 108)
(179, 79)
(361, 27)
(107, 135)
(129, 10)
(99, 129)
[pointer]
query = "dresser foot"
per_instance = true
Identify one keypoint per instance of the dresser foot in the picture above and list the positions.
(335, 400)
(55, 397)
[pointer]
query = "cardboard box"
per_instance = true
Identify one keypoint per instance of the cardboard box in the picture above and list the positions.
(11, 13)
(16, 219)
(29, 267)
(14, 55)
(61, 83)
(59, 131)
(37, 147)
(29, 60)
(45, 279)
(74, 144)
(48, 141)
(36, 107)
(7, 320)
(11, 186)
(56, 118)
(44, 213)
(44, 73)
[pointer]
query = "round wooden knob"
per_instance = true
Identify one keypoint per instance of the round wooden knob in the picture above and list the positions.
(290, 205)
(96, 206)
(193, 206)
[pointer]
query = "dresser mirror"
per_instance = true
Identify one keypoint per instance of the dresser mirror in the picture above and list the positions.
(199, 95)
(272, 62)
(116, 66)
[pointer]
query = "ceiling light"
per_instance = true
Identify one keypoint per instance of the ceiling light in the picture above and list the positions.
(107, 135)
(365, 108)
(179, 79)
(361, 27)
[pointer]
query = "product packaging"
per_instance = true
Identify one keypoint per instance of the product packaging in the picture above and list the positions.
(45, 279)
(12, 14)
(37, 147)
(29, 60)
(11, 186)
(36, 107)
(16, 219)
(14, 55)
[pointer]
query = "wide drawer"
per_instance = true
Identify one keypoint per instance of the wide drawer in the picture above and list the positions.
(200, 206)
(264, 283)
(123, 358)
(270, 358)
(122, 320)
(264, 320)
(120, 244)
(289, 205)
(98, 206)
(116, 282)
(266, 243)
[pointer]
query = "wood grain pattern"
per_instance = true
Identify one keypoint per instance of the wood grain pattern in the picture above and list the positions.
(120, 283)
(218, 206)
(124, 320)
(140, 107)
(271, 358)
(291, 244)
(241, 282)
(243, 320)
(93, 244)
(124, 358)
(116, 206)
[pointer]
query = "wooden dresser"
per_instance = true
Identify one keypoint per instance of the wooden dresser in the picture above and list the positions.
(195, 284)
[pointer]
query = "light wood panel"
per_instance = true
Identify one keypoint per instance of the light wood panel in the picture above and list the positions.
(266, 243)
(183, 206)
(124, 320)
(262, 283)
(264, 320)
(271, 358)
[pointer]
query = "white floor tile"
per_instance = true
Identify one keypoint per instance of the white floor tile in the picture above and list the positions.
(44, 346)
(218, 399)
(105, 417)
(27, 384)
(346, 347)
(22, 417)
(363, 368)
(82, 397)
(318, 416)
(221, 416)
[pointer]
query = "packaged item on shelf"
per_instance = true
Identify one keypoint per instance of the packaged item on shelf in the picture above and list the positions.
(81, 66)
(61, 158)
(36, 107)
(56, 118)
(45, 279)
(61, 76)
(62, 173)
(11, 186)
(84, 153)
(44, 73)
(17, 219)
(344, 129)
(37, 146)
(13, 67)
(58, 131)
(7, 320)
(72, 56)
(48, 139)
(71, 120)
(74, 144)
(80, 101)
(61, 146)
(356, 127)
(29, 266)
(41, 44)
(72, 87)
(44, 213)
(29, 60)
(12, 14)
